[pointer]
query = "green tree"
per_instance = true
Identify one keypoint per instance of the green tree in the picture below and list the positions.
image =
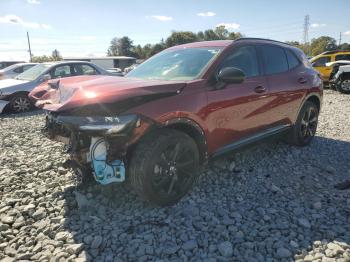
(180, 37)
(121, 47)
(210, 35)
(156, 49)
(221, 32)
(56, 56)
(344, 46)
(322, 44)
(234, 36)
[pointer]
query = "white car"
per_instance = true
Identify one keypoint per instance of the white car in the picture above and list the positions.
(340, 76)
(14, 70)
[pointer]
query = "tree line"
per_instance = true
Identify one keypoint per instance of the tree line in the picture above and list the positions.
(124, 46)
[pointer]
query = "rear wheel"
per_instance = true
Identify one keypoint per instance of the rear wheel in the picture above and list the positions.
(305, 127)
(164, 166)
(20, 103)
(344, 86)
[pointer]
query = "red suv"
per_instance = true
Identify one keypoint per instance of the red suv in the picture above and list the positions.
(161, 123)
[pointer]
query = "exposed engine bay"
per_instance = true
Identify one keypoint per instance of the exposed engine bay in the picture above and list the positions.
(99, 143)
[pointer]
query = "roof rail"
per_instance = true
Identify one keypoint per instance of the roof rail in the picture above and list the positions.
(334, 51)
(264, 39)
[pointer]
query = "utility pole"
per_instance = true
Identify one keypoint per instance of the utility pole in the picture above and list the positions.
(306, 33)
(29, 50)
(339, 39)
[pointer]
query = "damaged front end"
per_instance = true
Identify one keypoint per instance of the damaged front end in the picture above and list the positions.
(98, 144)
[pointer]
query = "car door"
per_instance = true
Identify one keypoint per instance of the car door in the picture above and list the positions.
(235, 111)
(287, 78)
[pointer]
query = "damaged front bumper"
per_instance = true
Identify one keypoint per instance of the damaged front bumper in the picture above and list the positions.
(97, 143)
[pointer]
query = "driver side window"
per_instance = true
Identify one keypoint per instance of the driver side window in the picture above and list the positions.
(61, 71)
(245, 59)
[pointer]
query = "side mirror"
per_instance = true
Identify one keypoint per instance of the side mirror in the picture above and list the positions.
(231, 75)
(46, 77)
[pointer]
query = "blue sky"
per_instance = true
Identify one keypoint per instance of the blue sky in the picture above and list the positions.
(85, 27)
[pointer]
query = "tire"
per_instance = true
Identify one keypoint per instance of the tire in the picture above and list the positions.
(20, 103)
(344, 86)
(304, 130)
(164, 166)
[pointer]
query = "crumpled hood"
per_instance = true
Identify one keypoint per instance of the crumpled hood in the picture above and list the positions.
(9, 83)
(85, 91)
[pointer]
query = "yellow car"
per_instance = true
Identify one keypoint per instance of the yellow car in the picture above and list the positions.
(319, 61)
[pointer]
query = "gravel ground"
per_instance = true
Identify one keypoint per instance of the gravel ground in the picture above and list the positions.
(271, 202)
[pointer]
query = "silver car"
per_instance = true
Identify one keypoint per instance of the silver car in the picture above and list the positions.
(14, 92)
(14, 70)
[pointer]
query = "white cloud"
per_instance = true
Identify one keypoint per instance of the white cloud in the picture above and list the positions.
(45, 26)
(88, 37)
(315, 25)
(33, 2)
(347, 33)
(229, 26)
(162, 18)
(16, 20)
(206, 14)
(39, 41)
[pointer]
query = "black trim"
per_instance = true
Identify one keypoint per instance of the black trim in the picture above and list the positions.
(250, 139)
(262, 39)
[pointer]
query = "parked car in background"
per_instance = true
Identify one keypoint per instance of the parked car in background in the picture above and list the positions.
(106, 62)
(319, 61)
(14, 92)
(162, 122)
(4, 64)
(340, 76)
(14, 70)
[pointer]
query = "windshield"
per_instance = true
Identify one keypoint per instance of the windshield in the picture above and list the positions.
(33, 73)
(178, 64)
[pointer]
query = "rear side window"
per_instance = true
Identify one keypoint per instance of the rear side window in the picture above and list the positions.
(19, 69)
(321, 61)
(342, 57)
(61, 71)
(244, 58)
(26, 67)
(275, 59)
(81, 69)
(293, 61)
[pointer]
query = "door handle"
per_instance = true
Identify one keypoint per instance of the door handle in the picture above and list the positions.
(302, 80)
(259, 89)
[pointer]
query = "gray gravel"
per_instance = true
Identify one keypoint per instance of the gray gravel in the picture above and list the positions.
(271, 202)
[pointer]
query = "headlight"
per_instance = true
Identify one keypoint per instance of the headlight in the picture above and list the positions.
(106, 125)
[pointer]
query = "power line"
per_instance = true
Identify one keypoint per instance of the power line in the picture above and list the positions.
(29, 50)
(306, 32)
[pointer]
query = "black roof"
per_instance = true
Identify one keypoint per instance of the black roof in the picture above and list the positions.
(261, 39)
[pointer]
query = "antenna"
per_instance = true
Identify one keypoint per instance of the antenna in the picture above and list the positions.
(306, 33)
(29, 50)
(339, 39)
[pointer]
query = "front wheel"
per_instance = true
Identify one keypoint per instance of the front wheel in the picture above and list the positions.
(305, 127)
(20, 103)
(344, 86)
(164, 166)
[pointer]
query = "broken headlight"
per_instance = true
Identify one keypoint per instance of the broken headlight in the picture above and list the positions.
(109, 125)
